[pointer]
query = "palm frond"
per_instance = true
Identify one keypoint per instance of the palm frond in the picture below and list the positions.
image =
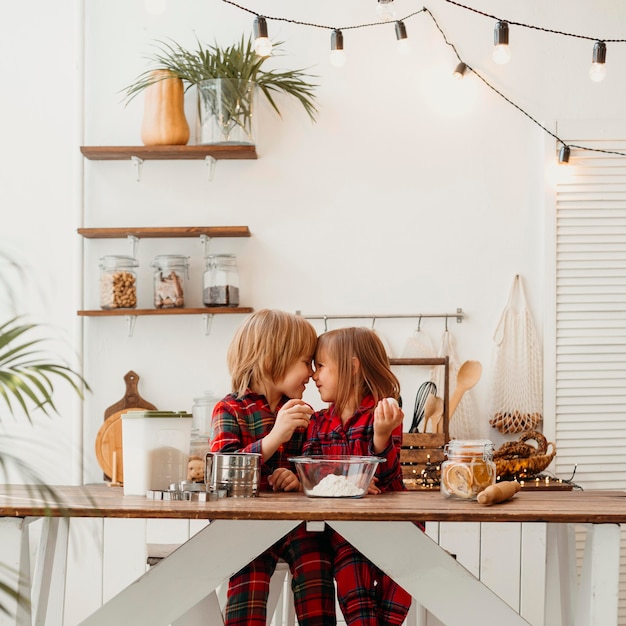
(27, 373)
(237, 61)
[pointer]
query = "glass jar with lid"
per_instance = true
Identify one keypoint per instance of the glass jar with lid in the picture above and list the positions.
(118, 282)
(469, 468)
(170, 271)
(221, 281)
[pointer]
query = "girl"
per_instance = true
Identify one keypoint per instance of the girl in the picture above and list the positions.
(269, 361)
(352, 373)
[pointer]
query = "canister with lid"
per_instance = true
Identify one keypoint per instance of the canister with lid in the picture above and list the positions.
(170, 271)
(118, 282)
(469, 468)
(221, 281)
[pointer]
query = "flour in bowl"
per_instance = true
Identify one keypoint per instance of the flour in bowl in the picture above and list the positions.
(333, 486)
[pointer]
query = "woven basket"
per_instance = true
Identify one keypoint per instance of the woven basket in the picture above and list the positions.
(518, 459)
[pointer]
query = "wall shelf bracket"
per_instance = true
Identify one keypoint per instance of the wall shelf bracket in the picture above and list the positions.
(133, 240)
(205, 240)
(207, 318)
(130, 320)
(210, 162)
(137, 162)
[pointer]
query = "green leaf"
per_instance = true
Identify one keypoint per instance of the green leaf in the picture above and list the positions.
(238, 61)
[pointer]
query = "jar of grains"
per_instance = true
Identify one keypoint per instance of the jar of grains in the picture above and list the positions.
(170, 271)
(221, 281)
(118, 289)
(469, 468)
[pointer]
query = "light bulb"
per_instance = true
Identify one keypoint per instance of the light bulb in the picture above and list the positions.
(403, 45)
(501, 53)
(564, 153)
(337, 55)
(459, 71)
(338, 58)
(263, 46)
(385, 10)
(597, 71)
(262, 43)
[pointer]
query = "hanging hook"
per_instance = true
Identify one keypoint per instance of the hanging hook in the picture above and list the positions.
(419, 323)
(446, 323)
(373, 321)
(325, 323)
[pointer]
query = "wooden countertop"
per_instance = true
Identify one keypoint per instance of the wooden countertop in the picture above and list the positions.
(527, 506)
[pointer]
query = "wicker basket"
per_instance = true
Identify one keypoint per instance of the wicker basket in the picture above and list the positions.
(518, 459)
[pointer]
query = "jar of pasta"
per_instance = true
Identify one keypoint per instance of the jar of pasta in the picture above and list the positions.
(221, 281)
(118, 288)
(469, 468)
(170, 271)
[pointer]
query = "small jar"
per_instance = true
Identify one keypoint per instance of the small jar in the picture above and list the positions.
(170, 271)
(221, 281)
(118, 282)
(469, 468)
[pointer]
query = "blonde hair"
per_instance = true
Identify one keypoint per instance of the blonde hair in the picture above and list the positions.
(265, 346)
(374, 375)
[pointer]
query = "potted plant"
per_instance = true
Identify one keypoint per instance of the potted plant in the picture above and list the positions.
(28, 375)
(227, 79)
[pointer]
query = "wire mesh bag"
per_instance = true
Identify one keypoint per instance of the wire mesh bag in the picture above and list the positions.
(463, 424)
(516, 394)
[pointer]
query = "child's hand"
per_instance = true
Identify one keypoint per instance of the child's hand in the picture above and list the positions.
(294, 414)
(283, 479)
(387, 417)
(373, 487)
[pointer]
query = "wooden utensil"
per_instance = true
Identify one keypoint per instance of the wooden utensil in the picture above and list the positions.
(108, 445)
(468, 375)
(433, 412)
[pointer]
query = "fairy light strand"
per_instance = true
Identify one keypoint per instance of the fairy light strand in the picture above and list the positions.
(531, 26)
(427, 11)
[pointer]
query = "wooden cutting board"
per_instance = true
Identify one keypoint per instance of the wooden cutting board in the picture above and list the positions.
(109, 451)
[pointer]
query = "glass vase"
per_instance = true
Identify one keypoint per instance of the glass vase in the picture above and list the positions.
(226, 109)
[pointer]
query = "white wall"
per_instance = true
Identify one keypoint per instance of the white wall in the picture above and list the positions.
(412, 193)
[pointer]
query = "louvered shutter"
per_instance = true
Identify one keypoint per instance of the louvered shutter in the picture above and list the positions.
(590, 318)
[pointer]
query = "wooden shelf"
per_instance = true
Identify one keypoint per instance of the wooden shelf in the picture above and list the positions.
(120, 153)
(240, 310)
(162, 232)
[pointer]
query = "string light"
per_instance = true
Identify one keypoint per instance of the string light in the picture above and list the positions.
(564, 155)
(402, 37)
(597, 72)
(501, 52)
(385, 10)
(338, 56)
(339, 53)
(459, 71)
(262, 43)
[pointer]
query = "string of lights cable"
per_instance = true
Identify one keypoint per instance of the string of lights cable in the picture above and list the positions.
(501, 34)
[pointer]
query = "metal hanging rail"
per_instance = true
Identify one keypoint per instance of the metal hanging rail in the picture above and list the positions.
(459, 315)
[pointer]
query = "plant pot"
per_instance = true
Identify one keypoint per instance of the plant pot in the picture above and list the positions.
(226, 108)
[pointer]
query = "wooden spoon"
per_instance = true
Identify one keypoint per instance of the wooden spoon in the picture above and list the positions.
(433, 411)
(468, 375)
(437, 415)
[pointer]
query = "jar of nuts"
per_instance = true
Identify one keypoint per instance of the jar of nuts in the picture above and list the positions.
(469, 468)
(170, 271)
(118, 288)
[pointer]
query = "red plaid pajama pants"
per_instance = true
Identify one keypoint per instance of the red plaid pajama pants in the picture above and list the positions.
(313, 590)
(367, 596)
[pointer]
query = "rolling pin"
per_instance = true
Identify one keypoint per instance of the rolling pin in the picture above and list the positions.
(500, 492)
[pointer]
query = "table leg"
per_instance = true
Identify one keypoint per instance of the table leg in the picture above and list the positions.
(48, 589)
(15, 571)
(599, 579)
(190, 573)
(433, 577)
